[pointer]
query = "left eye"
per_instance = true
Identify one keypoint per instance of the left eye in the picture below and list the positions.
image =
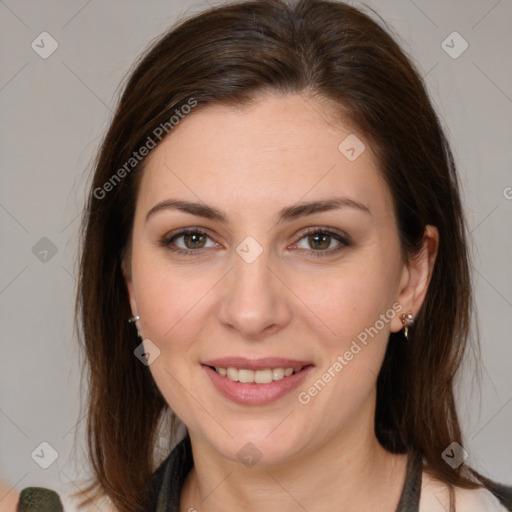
(322, 241)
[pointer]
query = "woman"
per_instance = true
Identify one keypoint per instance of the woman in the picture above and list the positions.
(274, 250)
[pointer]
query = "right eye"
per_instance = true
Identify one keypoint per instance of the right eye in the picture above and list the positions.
(187, 241)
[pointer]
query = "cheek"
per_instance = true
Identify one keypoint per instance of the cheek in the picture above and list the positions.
(357, 308)
(169, 306)
(167, 299)
(349, 300)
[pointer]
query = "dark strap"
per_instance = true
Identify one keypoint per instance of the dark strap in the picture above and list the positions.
(502, 492)
(177, 466)
(411, 491)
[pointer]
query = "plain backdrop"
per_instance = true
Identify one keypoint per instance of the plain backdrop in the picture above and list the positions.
(54, 112)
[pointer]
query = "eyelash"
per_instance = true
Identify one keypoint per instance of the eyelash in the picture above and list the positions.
(344, 241)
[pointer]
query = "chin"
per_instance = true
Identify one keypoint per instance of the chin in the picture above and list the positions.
(260, 442)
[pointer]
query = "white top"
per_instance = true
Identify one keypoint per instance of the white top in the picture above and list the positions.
(434, 498)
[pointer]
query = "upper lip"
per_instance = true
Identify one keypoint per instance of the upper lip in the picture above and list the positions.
(256, 364)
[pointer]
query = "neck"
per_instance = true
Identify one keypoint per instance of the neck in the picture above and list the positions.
(348, 472)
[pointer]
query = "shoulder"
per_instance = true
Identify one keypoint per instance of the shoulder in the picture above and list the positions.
(435, 497)
(8, 498)
(71, 502)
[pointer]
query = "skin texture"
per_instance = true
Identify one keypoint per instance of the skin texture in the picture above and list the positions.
(251, 162)
(8, 497)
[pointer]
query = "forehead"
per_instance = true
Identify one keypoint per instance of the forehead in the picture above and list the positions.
(274, 152)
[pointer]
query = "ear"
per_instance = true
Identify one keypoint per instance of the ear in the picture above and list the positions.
(126, 267)
(416, 277)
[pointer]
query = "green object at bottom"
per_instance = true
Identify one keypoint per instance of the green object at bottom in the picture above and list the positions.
(39, 499)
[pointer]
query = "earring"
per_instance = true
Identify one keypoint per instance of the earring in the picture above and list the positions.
(407, 321)
(132, 320)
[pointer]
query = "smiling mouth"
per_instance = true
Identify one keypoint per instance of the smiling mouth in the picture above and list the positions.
(265, 376)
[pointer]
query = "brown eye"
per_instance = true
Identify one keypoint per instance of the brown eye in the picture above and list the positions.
(194, 240)
(188, 241)
(321, 242)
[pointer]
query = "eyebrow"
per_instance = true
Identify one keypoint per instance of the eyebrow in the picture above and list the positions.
(286, 214)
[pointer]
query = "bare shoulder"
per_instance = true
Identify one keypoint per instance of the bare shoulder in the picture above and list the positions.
(435, 497)
(9, 497)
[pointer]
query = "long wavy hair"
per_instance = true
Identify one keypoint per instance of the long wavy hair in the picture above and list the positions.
(228, 55)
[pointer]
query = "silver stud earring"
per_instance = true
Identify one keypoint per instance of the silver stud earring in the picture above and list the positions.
(407, 321)
(132, 320)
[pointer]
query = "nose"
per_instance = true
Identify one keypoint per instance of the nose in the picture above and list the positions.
(255, 299)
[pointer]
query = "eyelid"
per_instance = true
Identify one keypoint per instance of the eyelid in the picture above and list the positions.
(166, 240)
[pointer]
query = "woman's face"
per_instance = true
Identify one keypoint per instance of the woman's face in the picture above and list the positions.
(249, 288)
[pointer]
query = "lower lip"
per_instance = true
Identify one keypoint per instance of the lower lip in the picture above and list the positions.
(256, 394)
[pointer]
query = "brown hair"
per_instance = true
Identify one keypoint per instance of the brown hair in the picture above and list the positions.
(229, 55)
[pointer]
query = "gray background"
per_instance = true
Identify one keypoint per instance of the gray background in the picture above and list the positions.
(54, 112)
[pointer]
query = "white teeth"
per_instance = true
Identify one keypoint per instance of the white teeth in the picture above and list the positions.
(245, 375)
(232, 374)
(263, 376)
(255, 376)
(277, 373)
